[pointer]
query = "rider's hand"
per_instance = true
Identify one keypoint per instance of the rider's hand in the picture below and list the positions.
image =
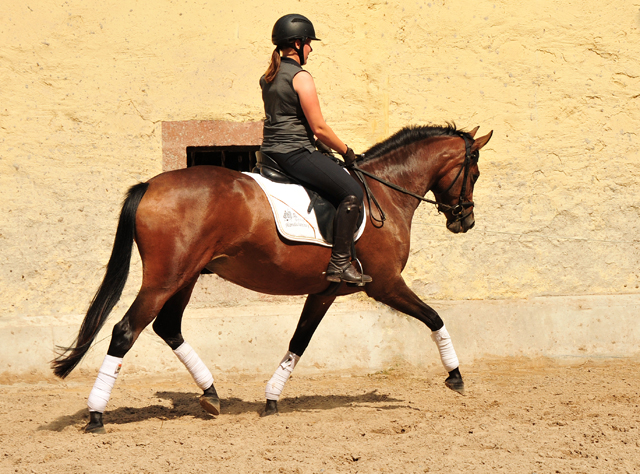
(349, 156)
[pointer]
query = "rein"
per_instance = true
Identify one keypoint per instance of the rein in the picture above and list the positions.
(457, 210)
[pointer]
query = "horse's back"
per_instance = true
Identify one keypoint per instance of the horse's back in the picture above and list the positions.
(203, 178)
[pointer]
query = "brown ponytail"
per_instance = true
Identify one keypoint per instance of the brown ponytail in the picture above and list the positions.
(274, 66)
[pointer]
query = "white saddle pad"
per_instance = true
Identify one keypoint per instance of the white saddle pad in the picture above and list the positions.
(289, 203)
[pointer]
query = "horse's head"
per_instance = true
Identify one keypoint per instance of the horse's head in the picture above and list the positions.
(454, 188)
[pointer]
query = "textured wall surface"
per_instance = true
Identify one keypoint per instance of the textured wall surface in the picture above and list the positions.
(86, 85)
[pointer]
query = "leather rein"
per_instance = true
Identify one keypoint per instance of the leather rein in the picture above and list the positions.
(457, 211)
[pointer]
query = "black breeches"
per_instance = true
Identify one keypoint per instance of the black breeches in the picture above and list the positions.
(319, 173)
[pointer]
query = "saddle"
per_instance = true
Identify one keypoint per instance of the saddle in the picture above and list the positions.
(325, 211)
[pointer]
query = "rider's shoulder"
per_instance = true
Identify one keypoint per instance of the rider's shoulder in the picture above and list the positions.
(303, 81)
(303, 76)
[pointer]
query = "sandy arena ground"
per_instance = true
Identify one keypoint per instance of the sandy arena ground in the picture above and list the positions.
(519, 416)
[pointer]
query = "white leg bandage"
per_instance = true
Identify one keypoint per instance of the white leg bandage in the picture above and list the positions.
(99, 396)
(445, 346)
(281, 375)
(201, 375)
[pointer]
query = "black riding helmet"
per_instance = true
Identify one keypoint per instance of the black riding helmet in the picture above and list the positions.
(290, 28)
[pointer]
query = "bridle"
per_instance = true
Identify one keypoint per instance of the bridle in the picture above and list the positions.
(458, 210)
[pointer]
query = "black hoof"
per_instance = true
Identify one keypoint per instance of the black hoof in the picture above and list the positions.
(210, 402)
(95, 423)
(454, 381)
(271, 408)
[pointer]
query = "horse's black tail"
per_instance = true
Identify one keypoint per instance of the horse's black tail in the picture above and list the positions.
(111, 288)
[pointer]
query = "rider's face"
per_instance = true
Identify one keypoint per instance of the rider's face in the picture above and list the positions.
(307, 49)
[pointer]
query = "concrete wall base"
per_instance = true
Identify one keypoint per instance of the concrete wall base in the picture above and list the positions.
(355, 335)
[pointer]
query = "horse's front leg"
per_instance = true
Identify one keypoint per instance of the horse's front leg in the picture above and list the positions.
(400, 297)
(314, 310)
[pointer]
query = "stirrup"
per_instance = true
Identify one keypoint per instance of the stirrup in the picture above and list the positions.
(347, 274)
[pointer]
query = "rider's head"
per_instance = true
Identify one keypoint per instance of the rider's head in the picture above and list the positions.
(290, 28)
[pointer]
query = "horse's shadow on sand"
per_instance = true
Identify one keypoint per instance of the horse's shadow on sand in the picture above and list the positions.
(186, 405)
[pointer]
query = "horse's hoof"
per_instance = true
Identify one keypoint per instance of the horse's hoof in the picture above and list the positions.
(271, 408)
(210, 404)
(455, 385)
(210, 401)
(95, 424)
(455, 382)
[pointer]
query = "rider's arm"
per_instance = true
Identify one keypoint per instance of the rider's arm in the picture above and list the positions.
(306, 89)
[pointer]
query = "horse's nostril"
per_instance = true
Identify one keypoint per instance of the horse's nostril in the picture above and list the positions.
(472, 224)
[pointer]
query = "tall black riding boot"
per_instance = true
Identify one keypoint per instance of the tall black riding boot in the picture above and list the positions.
(344, 226)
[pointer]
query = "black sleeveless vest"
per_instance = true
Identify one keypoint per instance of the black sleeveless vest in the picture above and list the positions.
(285, 127)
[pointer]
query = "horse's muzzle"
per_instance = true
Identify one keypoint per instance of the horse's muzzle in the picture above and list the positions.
(457, 226)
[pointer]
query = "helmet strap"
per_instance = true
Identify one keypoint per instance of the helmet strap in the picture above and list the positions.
(299, 50)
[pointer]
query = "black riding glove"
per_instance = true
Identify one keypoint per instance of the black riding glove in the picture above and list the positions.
(349, 157)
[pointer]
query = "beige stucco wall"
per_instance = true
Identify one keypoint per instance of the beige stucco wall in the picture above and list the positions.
(86, 85)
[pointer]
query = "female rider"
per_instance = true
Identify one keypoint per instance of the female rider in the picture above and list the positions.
(292, 118)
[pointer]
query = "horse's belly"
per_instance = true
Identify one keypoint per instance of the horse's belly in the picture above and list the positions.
(289, 276)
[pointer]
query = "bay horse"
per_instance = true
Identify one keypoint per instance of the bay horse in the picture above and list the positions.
(211, 217)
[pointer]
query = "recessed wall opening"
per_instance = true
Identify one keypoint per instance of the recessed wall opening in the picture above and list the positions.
(210, 142)
(237, 157)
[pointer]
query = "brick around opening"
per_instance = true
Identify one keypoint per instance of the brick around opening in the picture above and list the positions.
(177, 136)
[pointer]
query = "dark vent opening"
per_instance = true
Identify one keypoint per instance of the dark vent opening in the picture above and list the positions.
(239, 158)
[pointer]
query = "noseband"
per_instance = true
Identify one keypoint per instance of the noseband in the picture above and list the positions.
(457, 211)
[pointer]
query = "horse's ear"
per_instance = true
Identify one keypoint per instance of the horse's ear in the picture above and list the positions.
(473, 132)
(482, 141)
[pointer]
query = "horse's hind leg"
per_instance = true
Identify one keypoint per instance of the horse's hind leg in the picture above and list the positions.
(401, 298)
(143, 310)
(168, 325)
(314, 310)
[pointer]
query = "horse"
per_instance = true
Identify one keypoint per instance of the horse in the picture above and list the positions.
(213, 218)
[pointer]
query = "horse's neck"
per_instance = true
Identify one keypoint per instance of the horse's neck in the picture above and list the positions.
(413, 167)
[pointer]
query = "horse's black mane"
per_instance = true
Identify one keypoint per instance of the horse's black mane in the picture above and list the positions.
(412, 134)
